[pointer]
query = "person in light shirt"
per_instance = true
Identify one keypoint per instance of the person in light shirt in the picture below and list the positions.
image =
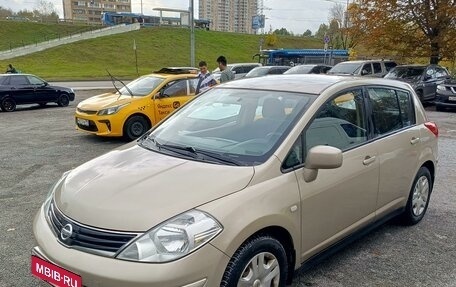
(205, 79)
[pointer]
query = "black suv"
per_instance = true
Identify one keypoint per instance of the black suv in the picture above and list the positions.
(423, 78)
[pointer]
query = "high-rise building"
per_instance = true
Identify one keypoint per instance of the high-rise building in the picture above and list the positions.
(90, 10)
(229, 15)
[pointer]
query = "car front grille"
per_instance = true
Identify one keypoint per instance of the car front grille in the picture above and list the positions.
(86, 238)
(92, 127)
(87, 112)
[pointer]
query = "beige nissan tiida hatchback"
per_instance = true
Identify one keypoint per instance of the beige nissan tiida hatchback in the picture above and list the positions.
(241, 186)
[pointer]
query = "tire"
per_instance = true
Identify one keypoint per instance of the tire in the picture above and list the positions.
(135, 127)
(63, 100)
(255, 261)
(8, 105)
(418, 201)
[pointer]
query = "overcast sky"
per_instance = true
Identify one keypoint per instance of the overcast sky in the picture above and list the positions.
(294, 15)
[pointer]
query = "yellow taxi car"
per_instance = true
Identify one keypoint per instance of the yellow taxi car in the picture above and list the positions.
(139, 105)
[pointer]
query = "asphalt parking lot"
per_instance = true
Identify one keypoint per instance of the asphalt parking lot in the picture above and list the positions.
(38, 144)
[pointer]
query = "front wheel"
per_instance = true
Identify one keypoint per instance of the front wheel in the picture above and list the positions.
(63, 100)
(8, 105)
(419, 197)
(261, 261)
(135, 127)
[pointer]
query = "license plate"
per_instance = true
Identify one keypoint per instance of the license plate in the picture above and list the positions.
(452, 98)
(53, 274)
(83, 122)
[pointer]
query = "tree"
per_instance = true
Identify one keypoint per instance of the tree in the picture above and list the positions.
(282, 31)
(341, 34)
(307, 33)
(46, 10)
(4, 12)
(410, 28)
(322, 30)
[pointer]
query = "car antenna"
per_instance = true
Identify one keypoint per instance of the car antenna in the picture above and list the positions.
(114, 79)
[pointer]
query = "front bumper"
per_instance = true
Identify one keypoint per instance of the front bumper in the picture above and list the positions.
(101, 126)
(446, 98)
(202, 268)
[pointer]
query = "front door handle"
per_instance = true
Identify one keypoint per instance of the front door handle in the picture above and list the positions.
(368, 160)
(414, 140)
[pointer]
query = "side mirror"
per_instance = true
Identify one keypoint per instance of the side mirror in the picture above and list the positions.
(321, 157)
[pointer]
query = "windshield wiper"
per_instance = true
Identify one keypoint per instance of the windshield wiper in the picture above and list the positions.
(114, 79)
(219, 157)
(190, 151)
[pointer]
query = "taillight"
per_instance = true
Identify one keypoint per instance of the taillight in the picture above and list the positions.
(432, 127)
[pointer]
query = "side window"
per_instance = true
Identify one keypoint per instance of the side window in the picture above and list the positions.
(406, 107)
(35, 80)
(193, 83)
(385, 110)
(390, 65)
(340, 123)
(377, 68)
(238, 70)
(176, 88)
(367, 69)
(18, 80)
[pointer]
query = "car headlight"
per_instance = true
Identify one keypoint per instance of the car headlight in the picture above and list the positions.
(173, 239)
(441, 88)
(111, 110)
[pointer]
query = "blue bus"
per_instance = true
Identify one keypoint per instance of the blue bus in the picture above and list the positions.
(293, 57)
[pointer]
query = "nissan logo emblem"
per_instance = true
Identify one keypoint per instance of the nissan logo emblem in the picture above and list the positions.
(66, 232)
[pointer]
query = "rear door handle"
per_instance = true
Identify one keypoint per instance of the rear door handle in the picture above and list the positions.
(368, 160)
(414, 140)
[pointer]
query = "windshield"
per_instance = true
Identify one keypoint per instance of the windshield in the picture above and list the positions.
(239, 125)
(345, 68)
(257, 72)
(412, 73)
(303, 69)
(142, 86)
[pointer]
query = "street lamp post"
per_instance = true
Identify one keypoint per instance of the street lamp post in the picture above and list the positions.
(192, 34)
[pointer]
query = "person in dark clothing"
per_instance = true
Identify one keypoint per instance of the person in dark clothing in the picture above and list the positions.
(11, 69)
(226, 74)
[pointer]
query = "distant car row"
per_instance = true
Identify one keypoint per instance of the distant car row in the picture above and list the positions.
(132, 110)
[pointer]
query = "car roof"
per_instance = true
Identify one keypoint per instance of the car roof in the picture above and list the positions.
(307, 83)
(363, 61)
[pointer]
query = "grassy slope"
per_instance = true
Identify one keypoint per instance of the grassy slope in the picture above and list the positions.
(156, 48)
(15, 34)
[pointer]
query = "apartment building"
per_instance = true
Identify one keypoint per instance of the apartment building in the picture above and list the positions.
(90, 10)
(229, 15)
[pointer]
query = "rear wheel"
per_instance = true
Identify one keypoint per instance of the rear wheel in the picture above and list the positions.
(419, 197)
(135, 127)
(8, 105)
(261, 261)
(63, 100)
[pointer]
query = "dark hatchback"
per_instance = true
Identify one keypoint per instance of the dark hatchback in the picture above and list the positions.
(423, 78)
(446, 95)
(19, 89)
